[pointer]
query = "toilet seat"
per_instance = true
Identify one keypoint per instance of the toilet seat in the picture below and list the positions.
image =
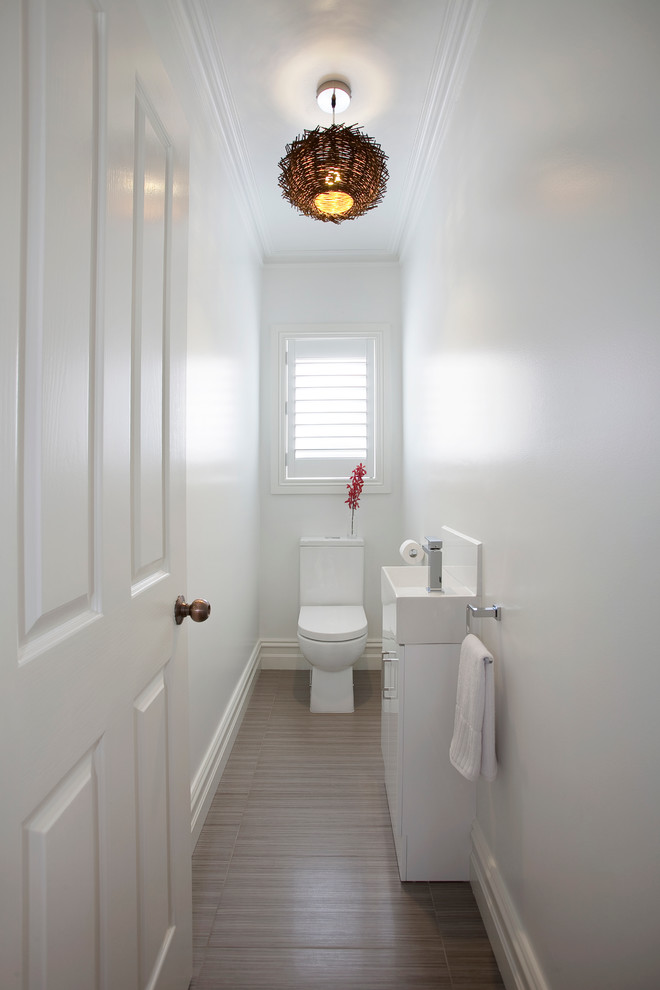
(332, 623)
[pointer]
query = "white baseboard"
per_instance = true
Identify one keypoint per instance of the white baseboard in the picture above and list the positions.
(206, 780)
(284, 654)
(515, 956)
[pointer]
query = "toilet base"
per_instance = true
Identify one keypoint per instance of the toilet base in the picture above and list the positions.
(331, 691)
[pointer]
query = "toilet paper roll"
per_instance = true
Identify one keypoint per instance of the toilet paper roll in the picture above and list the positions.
(412, 552)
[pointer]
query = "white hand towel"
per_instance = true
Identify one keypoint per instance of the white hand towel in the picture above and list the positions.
(472, 749)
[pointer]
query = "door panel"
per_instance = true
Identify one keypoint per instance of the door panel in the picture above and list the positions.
(152, 222)
(151, 750)
(59, 327)
(95, 821)
(61, 928)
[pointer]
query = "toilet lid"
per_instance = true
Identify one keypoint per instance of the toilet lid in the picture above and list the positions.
(329, 623)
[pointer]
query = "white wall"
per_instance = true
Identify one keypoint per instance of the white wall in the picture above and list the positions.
(223, 423)
(325, 293)
(532, 422)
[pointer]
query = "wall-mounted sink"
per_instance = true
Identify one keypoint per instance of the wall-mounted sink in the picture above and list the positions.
(415, 615)
(411, 614)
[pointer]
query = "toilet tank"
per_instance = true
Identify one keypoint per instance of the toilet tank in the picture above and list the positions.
(331, 570)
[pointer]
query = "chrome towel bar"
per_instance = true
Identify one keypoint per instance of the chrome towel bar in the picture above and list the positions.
(490, 612)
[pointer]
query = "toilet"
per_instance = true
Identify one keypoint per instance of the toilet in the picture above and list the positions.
(332, 625)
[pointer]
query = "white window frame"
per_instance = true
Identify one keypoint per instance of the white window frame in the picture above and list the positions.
(380, 333)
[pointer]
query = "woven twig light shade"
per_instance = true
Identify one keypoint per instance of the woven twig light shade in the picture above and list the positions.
(334, 173)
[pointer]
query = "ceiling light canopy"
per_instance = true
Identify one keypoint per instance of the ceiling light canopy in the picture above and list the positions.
(337, 89)
(333, 173)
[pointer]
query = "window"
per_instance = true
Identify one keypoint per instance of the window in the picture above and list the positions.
(330, 408)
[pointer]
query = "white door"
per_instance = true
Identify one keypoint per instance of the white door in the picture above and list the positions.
(95, 797)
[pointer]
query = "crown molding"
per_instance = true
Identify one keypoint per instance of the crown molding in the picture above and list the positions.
(197, 37)
(458, 38)
(323, 258)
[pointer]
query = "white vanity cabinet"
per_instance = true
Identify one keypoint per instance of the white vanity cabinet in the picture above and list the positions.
(431, 805)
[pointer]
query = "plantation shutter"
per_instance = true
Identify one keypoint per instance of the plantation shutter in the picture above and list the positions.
(330, 406)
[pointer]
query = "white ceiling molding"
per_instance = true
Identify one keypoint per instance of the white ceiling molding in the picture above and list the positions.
(345, 256)
(463, 20)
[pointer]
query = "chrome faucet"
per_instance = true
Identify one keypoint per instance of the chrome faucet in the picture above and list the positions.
(433, 549)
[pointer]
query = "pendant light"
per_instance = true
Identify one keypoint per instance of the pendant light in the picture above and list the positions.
(333, 173)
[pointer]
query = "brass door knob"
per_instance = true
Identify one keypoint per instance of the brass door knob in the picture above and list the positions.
(199, 610)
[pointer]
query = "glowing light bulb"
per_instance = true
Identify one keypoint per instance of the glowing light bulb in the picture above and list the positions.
(333, 203)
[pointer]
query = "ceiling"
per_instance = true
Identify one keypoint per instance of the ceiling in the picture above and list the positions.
(264, 59)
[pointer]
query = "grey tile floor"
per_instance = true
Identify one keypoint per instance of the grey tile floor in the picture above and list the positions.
(295, 883)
